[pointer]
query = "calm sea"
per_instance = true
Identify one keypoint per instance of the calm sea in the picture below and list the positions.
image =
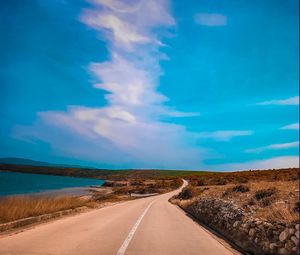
(19, 183)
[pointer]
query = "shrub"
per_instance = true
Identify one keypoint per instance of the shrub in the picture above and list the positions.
(136, 183)
(197, 182)
(226, 192)
(296, 208)
(266, 201)
(187, 193)
(263, 193)
(108, 184)
(242, 180)
(200, 182)
(237, 188)
(251, 201)
(221, 182)
(240, 188)
(105, 197)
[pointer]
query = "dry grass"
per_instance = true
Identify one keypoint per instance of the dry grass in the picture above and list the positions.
(278, 212)
(13, 208)
(144, 186)
(274, 201)
(223, 178)
(18, 207)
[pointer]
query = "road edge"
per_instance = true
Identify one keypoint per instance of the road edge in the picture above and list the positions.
(20, 225)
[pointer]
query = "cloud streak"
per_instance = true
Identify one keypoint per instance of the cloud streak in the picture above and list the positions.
(294, 126)
(271, 163)
(287, 101)
(224, 135)
(210, 19)
(278, 146)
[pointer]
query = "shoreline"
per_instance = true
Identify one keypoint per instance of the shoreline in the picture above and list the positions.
(22, 184)
(74, 191)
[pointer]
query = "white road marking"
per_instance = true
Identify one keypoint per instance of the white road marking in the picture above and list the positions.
(126, 242)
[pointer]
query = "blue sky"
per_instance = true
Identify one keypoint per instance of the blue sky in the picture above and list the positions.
(151, 84)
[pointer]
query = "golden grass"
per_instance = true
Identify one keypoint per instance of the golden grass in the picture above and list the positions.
(280, 206)
(278, 212)
(18, 207)
(13, 208)
(223, 178)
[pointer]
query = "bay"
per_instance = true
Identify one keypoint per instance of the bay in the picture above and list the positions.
(12, 183)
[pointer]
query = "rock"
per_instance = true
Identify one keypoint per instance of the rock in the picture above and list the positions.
(295, 240)
(256, 240)
(272, 246)
(292, 231)
(266, 245)
(297, 227)
(283, 251)
(267, 224)
(252, 232)
(289, 245)
(284, 235)
(235, 224)
(244, 225)
(297, 234)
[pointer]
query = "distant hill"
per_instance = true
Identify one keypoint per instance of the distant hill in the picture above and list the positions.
(30, 162)
(37, 167)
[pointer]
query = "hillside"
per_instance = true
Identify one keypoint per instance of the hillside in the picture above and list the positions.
(100, 173)
(30, 162)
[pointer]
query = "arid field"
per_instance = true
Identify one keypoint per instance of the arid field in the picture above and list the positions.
(256, 210)
(270, 194)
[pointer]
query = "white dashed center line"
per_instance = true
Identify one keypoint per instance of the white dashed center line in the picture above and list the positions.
(126, 242)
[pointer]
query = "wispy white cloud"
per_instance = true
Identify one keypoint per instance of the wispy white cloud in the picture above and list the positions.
(123, 32)
(225, 135)
(128, 128)
(271, 163)
(287, 101)
(278, 146)
(116, 5)
(127, 25)
(294, 126)
(210, 19)
(129, 86)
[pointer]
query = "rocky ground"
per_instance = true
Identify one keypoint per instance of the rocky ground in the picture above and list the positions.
(260, 216)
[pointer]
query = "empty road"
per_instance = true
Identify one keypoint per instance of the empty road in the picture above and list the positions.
(140, 227)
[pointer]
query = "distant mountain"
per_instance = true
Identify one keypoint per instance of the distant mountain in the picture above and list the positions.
(30, 162)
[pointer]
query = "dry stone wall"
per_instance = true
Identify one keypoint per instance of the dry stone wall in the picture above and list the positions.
(252, 235)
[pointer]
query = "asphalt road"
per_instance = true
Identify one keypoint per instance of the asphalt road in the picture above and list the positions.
(140, 227)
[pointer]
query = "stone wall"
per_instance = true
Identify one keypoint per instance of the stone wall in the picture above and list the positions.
(252, 235)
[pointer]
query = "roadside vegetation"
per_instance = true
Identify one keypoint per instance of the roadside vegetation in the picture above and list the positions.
(268, 195)
(120, 190)
(256, 210)
(18, 207)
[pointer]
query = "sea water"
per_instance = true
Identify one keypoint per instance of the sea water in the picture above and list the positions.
(12, 183)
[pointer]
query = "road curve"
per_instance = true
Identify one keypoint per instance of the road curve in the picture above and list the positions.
(139, 227)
